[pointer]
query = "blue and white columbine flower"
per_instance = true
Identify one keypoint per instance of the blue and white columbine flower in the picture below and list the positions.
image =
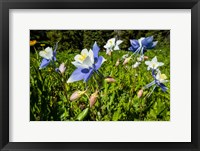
(87, 63)
(141, 45)
(112, 44)
(153, 64)
(160, 79)
(48, 55)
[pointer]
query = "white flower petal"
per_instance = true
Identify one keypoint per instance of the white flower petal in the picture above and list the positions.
(160, 63)
(77, 58)
(91, 55)
(79, 65)
(108, 51)
(147, 62)
(116, 47)
(154, 59)
(118, 42)
(88, 62)
(47, 53)
(111, 41)
(84, 52)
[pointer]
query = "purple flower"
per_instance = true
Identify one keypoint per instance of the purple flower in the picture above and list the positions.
(87, 63)
(142, 45)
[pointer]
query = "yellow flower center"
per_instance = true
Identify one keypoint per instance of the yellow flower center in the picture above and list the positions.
(163, 76)
(82, 57)
(153, 65)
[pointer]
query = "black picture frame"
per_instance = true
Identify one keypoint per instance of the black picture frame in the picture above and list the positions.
(5, 5)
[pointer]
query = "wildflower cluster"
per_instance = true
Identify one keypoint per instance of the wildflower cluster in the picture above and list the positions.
(88, 65)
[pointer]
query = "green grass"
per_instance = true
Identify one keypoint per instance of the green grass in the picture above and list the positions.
(118, 101)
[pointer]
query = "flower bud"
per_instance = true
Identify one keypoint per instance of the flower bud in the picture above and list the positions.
(146, 57)
(140, 92)
(125, 56)
(33, 42)
(126, 60)
(110, 80)
(109, 53)
(42, 45)
(76, 95)
(93, 98)
(136, 65)
(117, 63)
(62, 68)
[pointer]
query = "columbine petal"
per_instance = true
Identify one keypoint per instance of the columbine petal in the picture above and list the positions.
(111, 41)
(155, 59)
(116, 47)
(88, 62)
(134, 45)
(95, 50)
(108, 51)
(79, 65)
(147, 42)
(118, 42)
(91, 55)
(47, 53)
(44, 63)
(88, 74)
(99, 62)
(153, 45)
(54, 56)
(163, 87)
(147, 62)
(77, 58)
(84, 52)
(56, 47)
(77, 75)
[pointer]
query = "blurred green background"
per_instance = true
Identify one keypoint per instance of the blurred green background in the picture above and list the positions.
(78, 39)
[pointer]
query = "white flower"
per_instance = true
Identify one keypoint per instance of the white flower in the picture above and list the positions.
(47, 53)
(153, 64)
(136, 65)
(112, 44)
(161, 77)
(84, 60)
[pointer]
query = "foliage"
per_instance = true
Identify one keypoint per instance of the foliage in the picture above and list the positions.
(78, 39)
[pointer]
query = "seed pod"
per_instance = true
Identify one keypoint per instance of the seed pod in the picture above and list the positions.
(140, 92)
(93, 98)
(117, 63)
(76, 95)
(110, 79)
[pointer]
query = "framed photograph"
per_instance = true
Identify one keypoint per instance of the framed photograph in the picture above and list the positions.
(99, 75)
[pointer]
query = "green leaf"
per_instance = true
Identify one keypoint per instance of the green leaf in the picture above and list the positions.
(83, 114)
